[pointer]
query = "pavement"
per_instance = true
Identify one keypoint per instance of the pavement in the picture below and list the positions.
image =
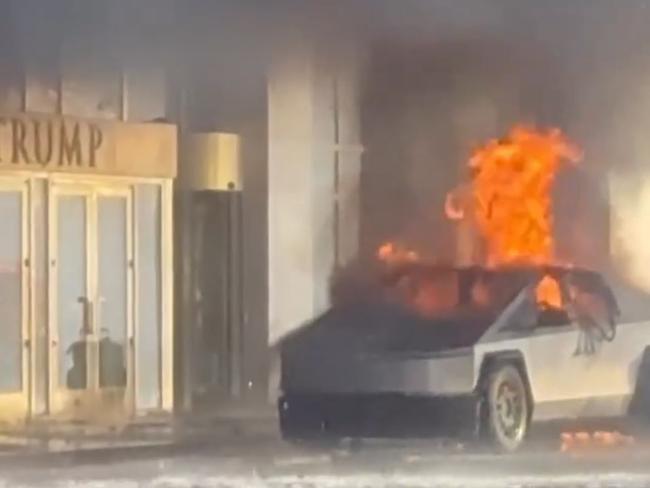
(268, 462)
(244, 450)
(52, 443)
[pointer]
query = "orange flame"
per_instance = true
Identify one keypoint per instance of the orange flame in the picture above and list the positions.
(511, 190)
(575, 441)
(454, 208)
(548, 292)
(392, 253)
(509, 201)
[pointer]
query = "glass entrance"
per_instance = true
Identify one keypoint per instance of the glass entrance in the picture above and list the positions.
(112, 290)
(90, 297)
(14, 296)
(73, 307)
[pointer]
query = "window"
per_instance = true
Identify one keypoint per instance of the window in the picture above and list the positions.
(586, 302)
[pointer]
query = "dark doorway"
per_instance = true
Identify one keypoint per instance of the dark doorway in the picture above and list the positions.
(216, 295)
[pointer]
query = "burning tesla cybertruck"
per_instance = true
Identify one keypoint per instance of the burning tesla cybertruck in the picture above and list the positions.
(426, 350)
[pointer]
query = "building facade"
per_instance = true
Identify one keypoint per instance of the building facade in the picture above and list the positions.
(179, 180)
(87, 267)
(86, 182)
(290, 93)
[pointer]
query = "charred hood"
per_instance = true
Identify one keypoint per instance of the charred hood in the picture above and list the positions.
(386, 328)
(394, 310)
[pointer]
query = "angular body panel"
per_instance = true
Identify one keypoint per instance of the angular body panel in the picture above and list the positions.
(378, 360)
(568, 382)
(442, 374)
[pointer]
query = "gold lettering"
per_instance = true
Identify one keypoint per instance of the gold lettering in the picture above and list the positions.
(96, 140)
(43, 149)
(70, 146)
(18, 149)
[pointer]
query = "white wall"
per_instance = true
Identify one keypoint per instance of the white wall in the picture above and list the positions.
(302, 161)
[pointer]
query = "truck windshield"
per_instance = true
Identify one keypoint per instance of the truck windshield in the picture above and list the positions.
(434, 293)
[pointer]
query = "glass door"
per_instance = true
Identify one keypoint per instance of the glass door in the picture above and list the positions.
(14, 298)
(113, 293)
(90, 300)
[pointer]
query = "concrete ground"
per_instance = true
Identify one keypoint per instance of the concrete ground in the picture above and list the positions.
(258, 458)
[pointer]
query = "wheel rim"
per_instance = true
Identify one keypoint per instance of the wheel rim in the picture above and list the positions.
(510, 411)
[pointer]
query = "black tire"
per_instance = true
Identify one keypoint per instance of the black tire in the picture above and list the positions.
(508, 408)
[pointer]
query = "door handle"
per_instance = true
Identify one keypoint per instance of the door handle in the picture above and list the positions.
(87, 327)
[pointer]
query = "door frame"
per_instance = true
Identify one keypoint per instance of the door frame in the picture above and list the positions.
(15, 406)
(63, 402)
(125, 191)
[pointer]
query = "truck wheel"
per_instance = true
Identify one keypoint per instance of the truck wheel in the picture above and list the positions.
(508, 408)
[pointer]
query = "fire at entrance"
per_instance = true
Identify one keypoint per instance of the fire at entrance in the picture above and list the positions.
(507, 199)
